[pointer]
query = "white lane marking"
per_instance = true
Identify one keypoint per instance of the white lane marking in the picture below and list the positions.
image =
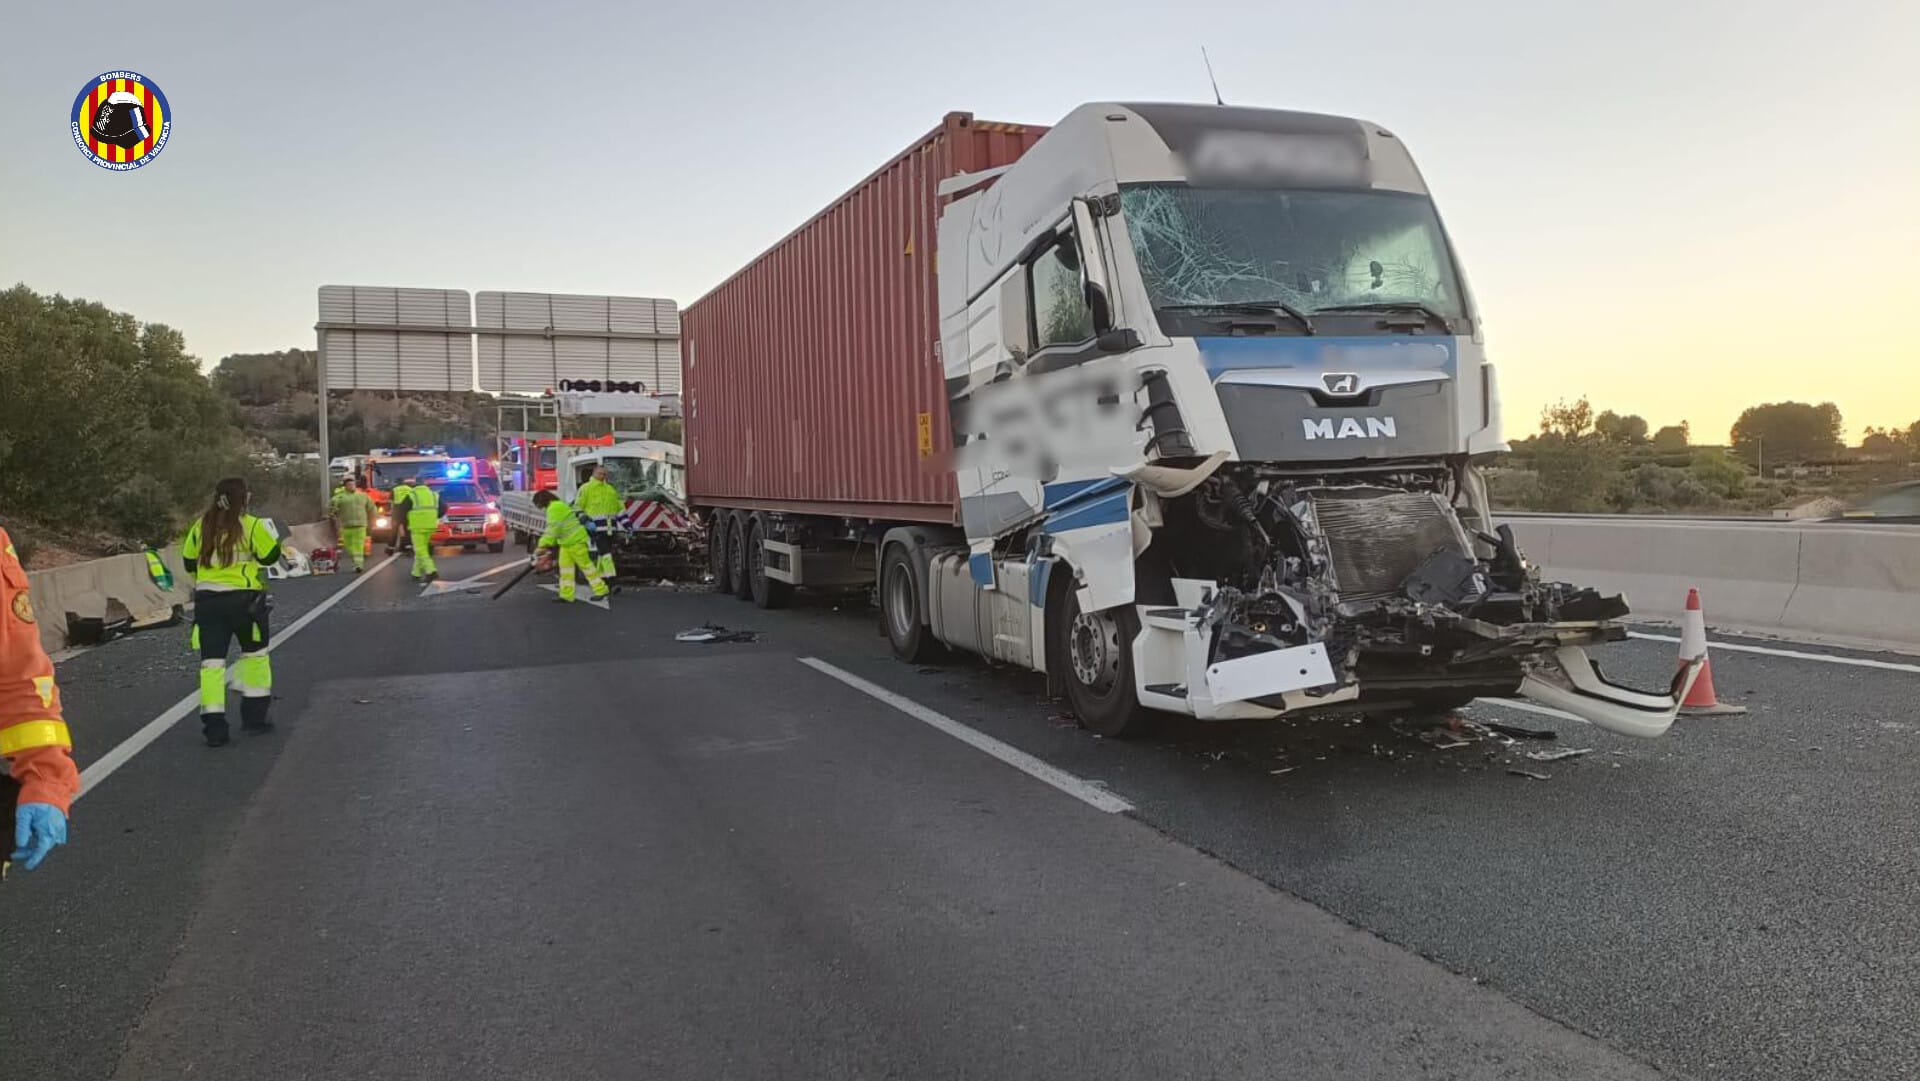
(478, 581)
(103, 767)
(1086, 792)
(597, 602)
(1857, 662)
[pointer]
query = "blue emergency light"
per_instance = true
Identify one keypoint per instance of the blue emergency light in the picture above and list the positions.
(459, 470)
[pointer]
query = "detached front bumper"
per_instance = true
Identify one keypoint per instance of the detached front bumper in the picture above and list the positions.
(1572, 682)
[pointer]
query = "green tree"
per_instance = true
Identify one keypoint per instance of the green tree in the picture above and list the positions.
(1787, 432)
(105, 422)
(1673, 437)
(266, 378)
(1578, 469)
(1720, 473)
(1627, 431)
(1890, 444)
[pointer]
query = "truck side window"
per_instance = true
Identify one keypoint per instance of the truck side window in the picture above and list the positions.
(1060, 312)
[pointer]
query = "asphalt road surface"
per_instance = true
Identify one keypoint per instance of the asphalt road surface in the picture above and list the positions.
(519, 840)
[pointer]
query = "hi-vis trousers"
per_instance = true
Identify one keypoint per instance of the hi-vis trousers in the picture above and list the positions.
(220, 617)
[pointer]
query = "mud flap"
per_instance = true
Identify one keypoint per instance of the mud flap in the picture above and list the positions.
(1573, 683)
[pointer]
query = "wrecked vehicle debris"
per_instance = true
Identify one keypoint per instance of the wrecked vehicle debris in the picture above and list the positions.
(1367, 589)
(1555, 756)
(713, 632)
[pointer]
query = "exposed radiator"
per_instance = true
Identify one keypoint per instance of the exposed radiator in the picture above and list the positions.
(1379, 536)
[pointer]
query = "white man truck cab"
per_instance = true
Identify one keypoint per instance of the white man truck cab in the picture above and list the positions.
(1219, 391)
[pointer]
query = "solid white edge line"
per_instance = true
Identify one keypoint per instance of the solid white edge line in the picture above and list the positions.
(1086, 792)
(103, 767)
(1857, 662)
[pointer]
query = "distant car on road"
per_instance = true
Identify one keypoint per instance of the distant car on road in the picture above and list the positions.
(1897, 503)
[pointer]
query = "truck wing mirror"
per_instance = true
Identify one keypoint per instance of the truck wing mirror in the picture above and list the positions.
(1093, 265)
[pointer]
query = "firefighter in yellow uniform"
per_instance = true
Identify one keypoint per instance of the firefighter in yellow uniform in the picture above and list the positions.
(568, 536)
(423, 517)
(228, 552)
(40, 784)
(601, 502)
(350, 510)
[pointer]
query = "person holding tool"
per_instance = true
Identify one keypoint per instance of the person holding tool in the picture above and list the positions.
(349, 512)
(567, 534)
(41, 781)
(423, 517)
(228, 552)
(601, 502)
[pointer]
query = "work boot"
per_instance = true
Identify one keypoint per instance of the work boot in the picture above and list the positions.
(358, 568)
(253, 715)
(214, 728)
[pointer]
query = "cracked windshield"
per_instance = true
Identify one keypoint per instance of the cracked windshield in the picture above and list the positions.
(1310, 250)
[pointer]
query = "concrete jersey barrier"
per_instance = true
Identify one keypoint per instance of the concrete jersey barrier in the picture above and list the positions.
(120, 587)
(1842, 582)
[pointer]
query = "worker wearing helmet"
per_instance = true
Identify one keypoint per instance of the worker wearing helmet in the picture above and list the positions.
(567, 535)
(228, 552)
(601, 503)
(424, 512)
(349, 509)
(41, 782)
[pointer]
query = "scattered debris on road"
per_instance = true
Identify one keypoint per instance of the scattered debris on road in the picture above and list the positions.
(1518, 732)
(1530, 775)
(713, 632)
(1555, 756)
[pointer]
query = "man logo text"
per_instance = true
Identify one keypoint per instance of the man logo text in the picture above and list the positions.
(1350, 428)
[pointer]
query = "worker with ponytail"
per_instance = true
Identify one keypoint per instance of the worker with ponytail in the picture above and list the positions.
(228, 552)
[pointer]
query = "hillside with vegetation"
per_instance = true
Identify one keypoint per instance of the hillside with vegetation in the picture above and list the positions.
(112, 436)
(1780, 458)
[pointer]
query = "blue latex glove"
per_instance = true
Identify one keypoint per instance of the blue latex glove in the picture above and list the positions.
(37, 828)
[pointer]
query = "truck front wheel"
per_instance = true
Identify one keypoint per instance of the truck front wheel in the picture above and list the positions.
(907, 631)
(1093, 655)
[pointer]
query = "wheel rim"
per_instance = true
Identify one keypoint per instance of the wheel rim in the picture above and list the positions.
(736, 558)
(901, 613)
(1093, 648)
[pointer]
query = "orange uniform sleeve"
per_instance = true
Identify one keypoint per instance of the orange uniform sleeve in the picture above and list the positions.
(33, 733)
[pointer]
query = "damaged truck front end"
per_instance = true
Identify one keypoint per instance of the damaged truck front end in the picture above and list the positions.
(1298, 592)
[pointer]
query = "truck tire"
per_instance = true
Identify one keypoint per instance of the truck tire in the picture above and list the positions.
(497, 546)
(718, 555)
(767, 592)
(900, 610)
(738, 577)
(1096, 655)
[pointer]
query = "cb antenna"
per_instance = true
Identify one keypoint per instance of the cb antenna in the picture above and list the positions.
(1216, 82)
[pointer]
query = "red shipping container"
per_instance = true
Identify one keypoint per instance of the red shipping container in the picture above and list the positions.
(813, 380)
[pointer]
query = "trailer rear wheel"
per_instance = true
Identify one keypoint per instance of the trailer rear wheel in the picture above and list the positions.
(900, 614)
(739, 578)
(1095, 652)
(718, 556)
(767, 592)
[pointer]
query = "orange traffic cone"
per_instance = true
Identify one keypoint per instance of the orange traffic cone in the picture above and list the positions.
(1701, 700)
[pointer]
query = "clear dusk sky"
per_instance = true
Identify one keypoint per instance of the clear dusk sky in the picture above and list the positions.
(1674, 208)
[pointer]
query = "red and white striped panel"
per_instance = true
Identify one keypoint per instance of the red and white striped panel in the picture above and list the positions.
(645, 514)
